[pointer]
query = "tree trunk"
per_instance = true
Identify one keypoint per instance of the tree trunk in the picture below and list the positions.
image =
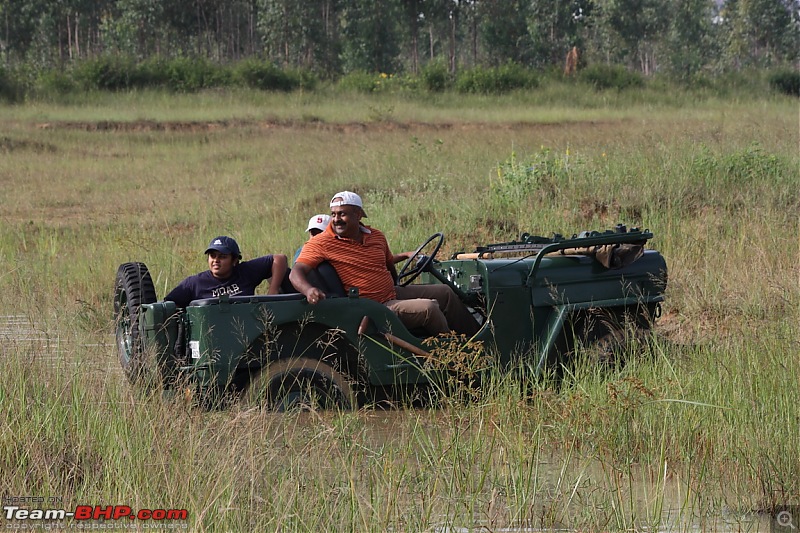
(414, 23)
(474, 40)
(69, 40)
(414, 49)
(77, 36)
(453, 24)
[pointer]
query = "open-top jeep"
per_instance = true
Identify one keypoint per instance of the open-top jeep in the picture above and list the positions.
(538, 299)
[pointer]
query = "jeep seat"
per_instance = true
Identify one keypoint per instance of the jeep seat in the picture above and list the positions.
(325, 278)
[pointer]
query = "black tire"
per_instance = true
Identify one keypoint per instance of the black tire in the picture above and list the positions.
(607, 337)
(608, 349)
(300, 384)
(133, 288)
(617, 345)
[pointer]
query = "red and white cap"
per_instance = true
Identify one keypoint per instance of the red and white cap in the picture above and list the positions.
(319, 222)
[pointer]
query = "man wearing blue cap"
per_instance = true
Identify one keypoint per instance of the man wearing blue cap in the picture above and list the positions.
(227, 274)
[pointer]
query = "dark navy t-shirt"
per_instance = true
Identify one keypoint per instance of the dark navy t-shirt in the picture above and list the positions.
(244, 279)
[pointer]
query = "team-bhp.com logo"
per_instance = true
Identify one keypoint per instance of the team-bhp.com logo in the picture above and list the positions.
(83, 513)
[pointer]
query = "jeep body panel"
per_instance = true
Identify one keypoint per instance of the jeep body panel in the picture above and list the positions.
(233, 334)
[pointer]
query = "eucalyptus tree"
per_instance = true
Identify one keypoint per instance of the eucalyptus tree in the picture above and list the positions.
(216, 29)
(443, 23)
(29, 29)
(136, 28)
(632, 31)
(412, 15)
(435, 15)
(504, 30)
(555, 26)
(371, 34)
(761, 32)
(690, 43)
(302, 33)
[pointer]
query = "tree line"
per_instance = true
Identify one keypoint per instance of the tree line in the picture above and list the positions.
(681, 38)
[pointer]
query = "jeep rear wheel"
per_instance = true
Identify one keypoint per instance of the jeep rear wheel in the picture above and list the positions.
(300, 384)
(133, 288)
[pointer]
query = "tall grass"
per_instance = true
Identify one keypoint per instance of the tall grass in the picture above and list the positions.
(700, 431)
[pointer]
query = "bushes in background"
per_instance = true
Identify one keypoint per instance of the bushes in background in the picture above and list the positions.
(9, 91)
(110, 73)
(496, 80)
(115, 73)
(183, 74)
(786, 81)
(435, 77)
(602, 76)
(266, 76)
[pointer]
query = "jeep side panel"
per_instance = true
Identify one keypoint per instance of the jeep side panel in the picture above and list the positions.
(258, 330)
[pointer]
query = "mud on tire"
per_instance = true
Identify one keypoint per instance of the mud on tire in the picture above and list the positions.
(614, 336)
(133, 288)
(300, 384)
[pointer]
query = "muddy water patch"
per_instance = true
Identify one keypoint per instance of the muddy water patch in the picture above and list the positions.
(516, 488)
(20, 328)
(23, 337)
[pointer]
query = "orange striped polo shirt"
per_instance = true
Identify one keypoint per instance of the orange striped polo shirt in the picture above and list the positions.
(359, 264)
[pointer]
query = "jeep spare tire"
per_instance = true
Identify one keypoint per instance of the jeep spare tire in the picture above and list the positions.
(133, 288)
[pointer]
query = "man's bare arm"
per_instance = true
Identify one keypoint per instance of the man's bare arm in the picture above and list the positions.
(279, 266)
(299, 278)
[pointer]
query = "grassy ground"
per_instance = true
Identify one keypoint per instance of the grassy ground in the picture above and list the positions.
(702, 432)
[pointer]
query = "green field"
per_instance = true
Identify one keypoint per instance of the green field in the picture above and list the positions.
(701, 431)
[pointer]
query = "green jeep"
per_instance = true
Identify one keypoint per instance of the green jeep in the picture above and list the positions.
(537, 298)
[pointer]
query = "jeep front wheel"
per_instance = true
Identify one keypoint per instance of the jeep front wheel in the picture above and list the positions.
(300, 384)
(133, 288)
(615, 346)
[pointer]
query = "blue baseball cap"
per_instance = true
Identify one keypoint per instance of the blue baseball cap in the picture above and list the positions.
(224, 245)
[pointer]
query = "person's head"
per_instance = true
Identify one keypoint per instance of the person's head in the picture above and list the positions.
(317, 224)
(347, 210)
(223, 254)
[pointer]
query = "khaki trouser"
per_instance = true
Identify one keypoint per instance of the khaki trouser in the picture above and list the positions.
(435, 308)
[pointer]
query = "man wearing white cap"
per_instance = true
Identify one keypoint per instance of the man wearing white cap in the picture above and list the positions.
(317, 224)
(361, 256)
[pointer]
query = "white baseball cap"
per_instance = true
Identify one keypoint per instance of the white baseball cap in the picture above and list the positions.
(319, 222)
(348, 198)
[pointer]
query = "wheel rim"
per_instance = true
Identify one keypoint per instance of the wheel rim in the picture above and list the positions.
(124, 336)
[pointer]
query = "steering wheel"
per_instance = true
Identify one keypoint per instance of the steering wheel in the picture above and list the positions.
(407, 272)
